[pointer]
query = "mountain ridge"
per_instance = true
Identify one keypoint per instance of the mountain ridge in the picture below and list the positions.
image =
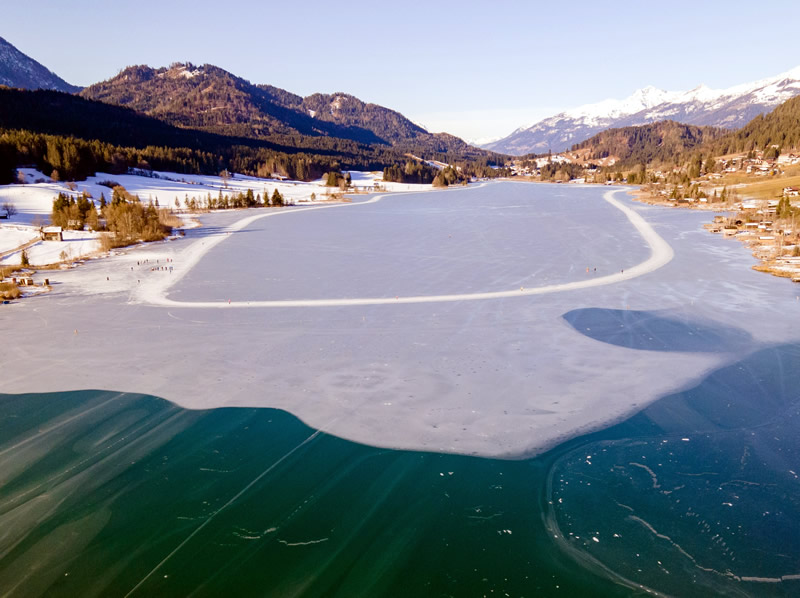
(214, 100)
(729, 108)
(19, 70)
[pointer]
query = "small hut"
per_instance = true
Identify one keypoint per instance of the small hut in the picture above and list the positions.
(52, 233)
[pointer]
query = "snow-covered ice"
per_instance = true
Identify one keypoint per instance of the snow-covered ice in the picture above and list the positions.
(508, 377)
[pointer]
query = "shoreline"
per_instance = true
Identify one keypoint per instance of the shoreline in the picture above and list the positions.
(762, 249)
(192, 221)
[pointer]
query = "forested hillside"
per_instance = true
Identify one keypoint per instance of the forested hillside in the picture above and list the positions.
(213, 100)
(60, 113)
(664, 142)
(75, 137)
(780, 127)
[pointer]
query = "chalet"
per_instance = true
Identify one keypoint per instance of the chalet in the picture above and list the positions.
(791, 191)
(52, 233)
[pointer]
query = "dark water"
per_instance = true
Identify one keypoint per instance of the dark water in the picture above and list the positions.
(106, 494)
(697, 495)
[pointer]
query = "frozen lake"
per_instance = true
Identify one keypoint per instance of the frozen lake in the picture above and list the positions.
(471, 240)
(505, 377)
(644, 428)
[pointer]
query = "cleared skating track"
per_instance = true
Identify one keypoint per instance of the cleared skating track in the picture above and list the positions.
(156, 294)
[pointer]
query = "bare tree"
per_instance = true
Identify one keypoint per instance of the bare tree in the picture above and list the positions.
(9, 208)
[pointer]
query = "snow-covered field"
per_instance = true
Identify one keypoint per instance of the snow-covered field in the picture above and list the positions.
(34, 200)
(76, 244)
(13, 236)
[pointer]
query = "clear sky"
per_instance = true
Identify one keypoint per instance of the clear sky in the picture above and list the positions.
(474, 69)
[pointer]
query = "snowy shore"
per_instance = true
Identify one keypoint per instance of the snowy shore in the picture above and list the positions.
(33, 202)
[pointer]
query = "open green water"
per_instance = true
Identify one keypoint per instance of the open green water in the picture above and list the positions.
(107, 494)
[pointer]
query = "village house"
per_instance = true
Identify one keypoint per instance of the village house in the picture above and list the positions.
(791, 191)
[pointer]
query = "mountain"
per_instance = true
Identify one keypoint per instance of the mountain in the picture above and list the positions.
(730, 108)
(57, 131)
(58, 113)
(67, 115)
(781, 127)
(213, 100)
(19, 70)
(661, 142)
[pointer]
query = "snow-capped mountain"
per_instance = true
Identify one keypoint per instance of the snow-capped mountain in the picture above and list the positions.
(19, 70)
(730, 108)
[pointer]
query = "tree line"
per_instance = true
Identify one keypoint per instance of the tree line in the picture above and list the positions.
(411, 172)
(129, 219)
(70, 158)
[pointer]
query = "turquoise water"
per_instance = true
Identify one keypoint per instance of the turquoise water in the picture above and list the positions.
(108, 494)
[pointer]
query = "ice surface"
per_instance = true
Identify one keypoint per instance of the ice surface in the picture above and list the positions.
(504, 376)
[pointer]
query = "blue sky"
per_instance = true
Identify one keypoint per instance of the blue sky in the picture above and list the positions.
(475, 69)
